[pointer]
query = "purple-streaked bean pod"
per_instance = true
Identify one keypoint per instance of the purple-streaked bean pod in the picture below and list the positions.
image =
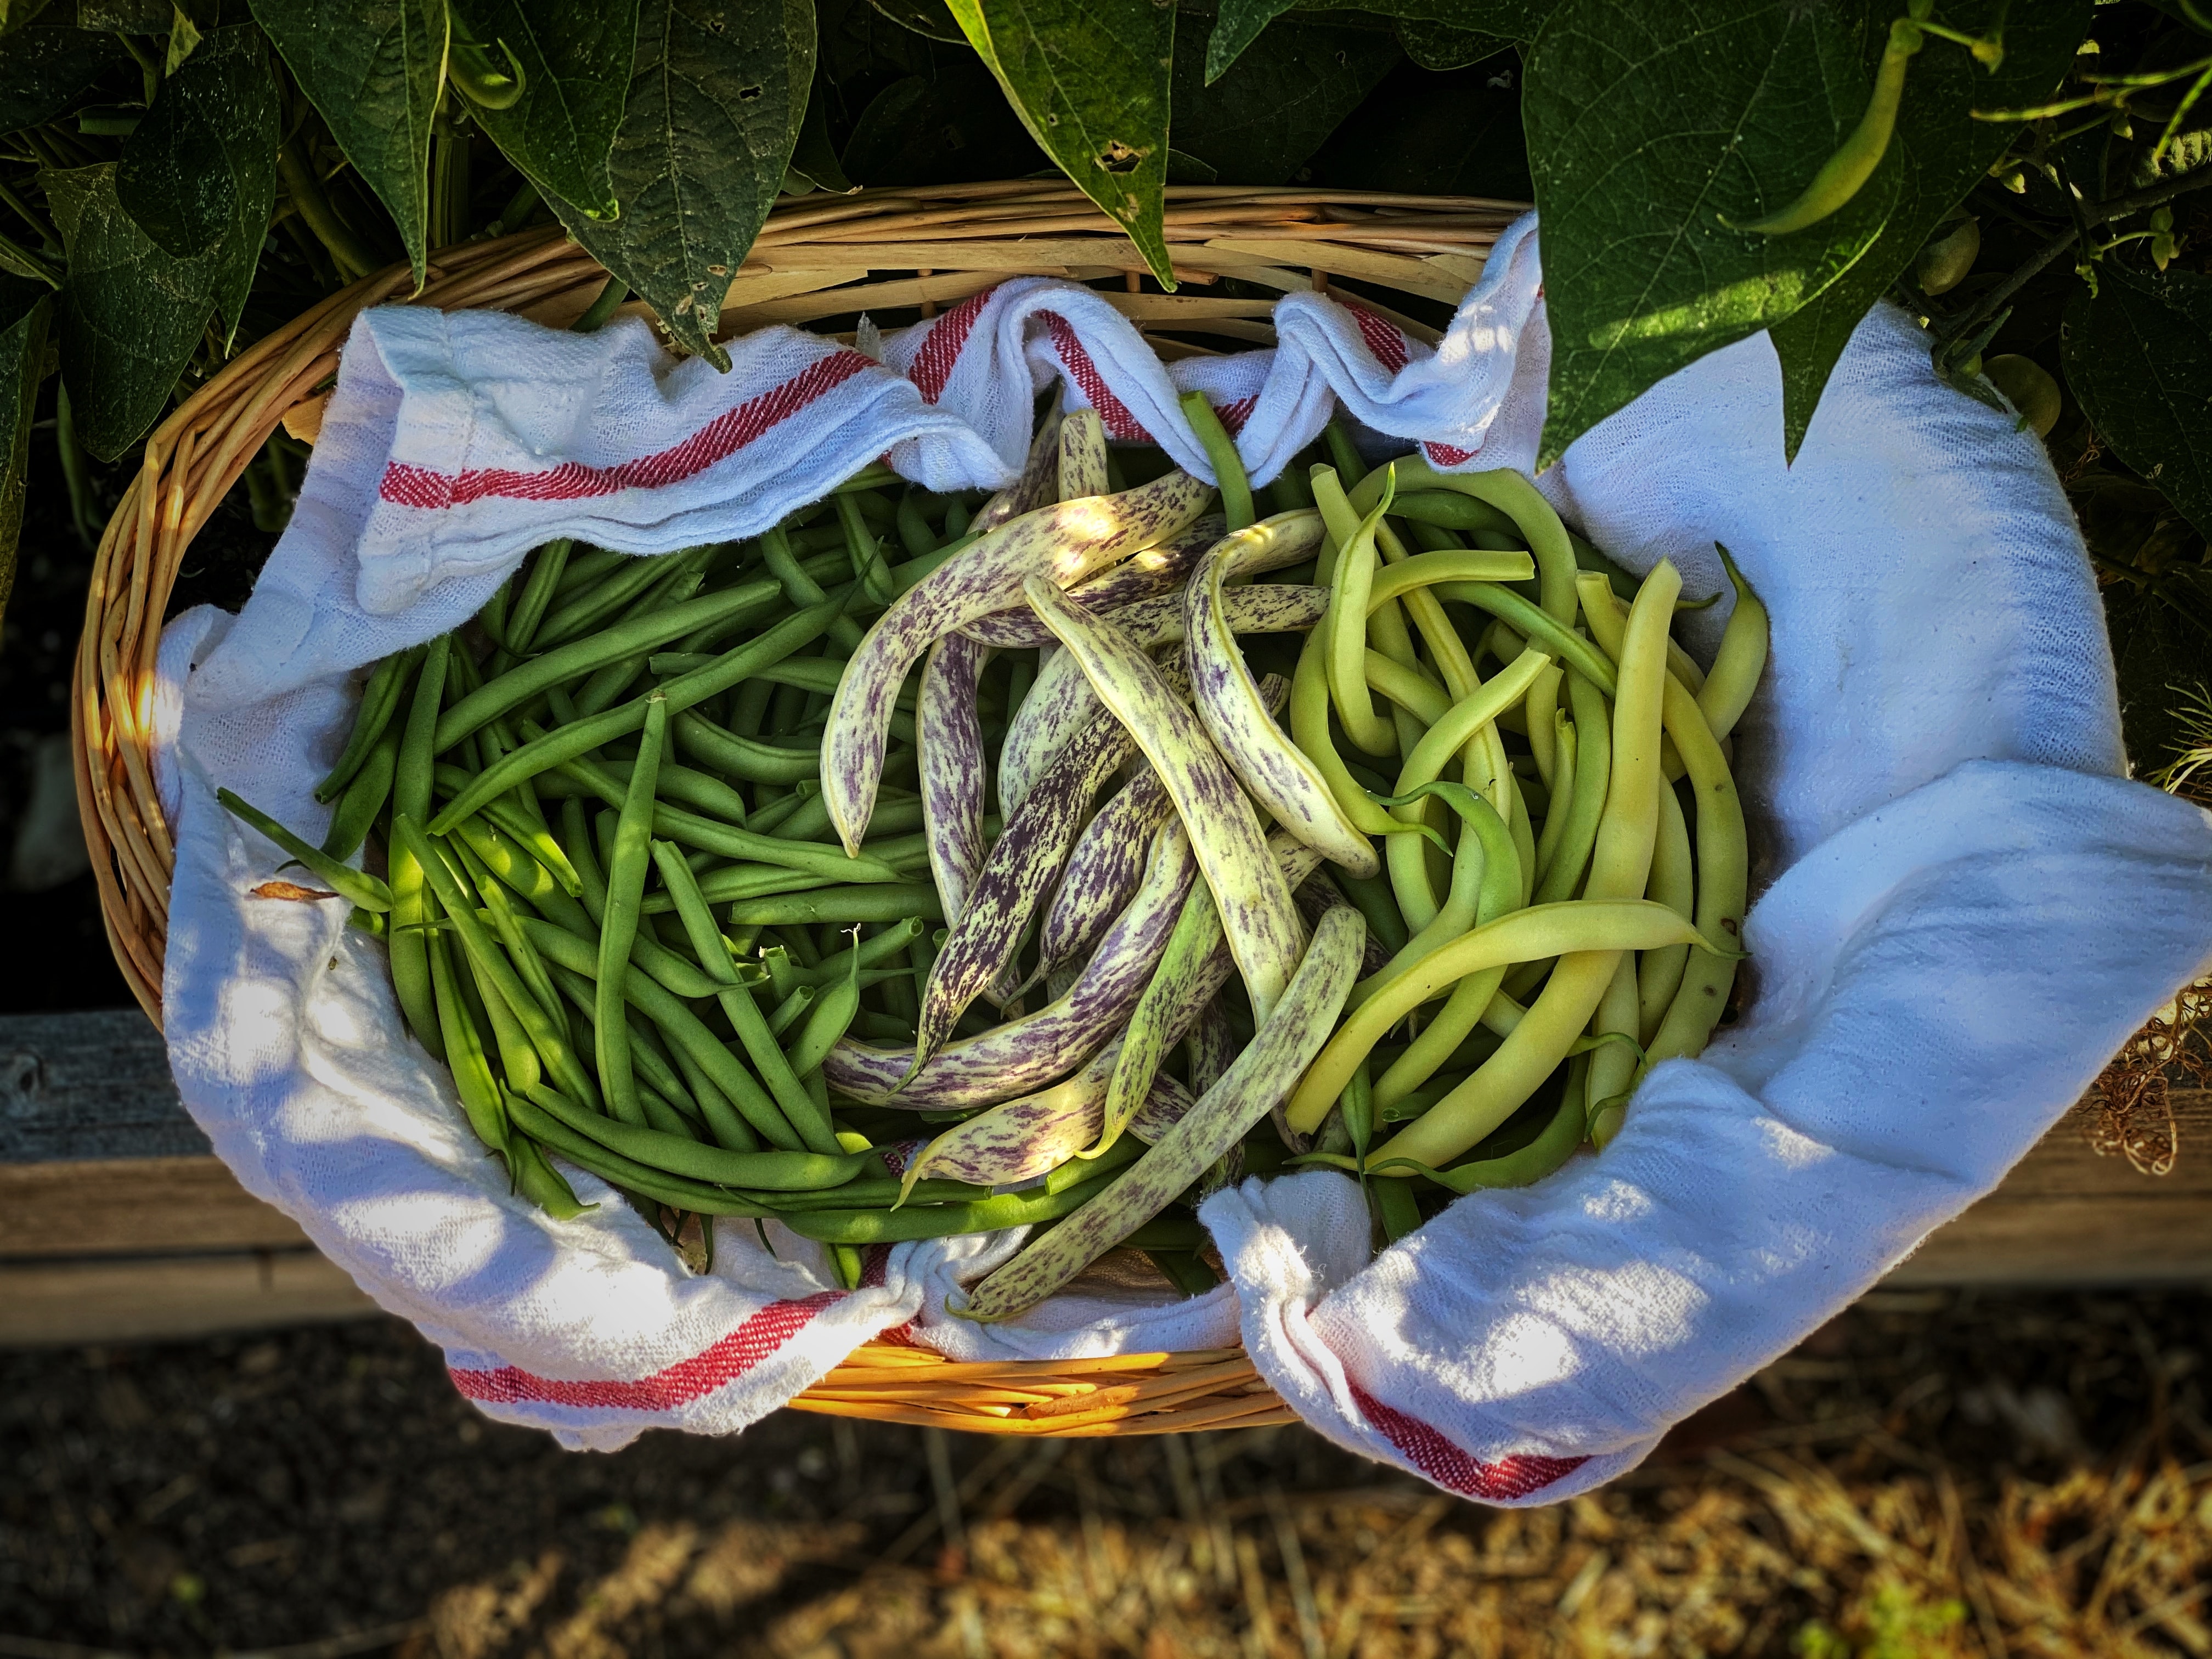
(1213, 1045)
(1290, 1035)
(1145, 575)
(1014, 879)
(1055, 545)
(1273, 769)
(1023, 1055)
(1257, 915)
(1018, 1140)
(1036, 487)
(1061, 700)
(954, 775)
(1082, 455)
(1318, 895)
(1288, 538)
(1193, 968)
(1102, 870)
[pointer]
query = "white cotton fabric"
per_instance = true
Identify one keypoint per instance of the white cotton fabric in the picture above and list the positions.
(1966, 908)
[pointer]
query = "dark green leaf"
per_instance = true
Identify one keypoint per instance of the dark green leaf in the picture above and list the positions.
(371, 70)
(1438, 46)
(15, 13)
(716, 97)
(1236, 26)
(1647, 124)
(576, 59)
(200, 172)
(2162, 658)
(1942, 152)
(814, 158)
(26, 306)
(951, 127)
(1259, 123)
(931, 17)
(1453, 134)
(2139, 357)
(126, 16)
(1091, 80)
(130, 313)
(45, 70)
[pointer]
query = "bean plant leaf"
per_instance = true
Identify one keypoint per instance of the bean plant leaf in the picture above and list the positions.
(1438, 46)
(2138, 356)
(373, 70)
(45, 70)
(716, 97)
(1091, 80)
(1649, 125)
(1942, 150)
(131, 315)
(577, 58)
(26, 308)
(932, 18)
(199, 174)
(814, 157)
(1259, 123)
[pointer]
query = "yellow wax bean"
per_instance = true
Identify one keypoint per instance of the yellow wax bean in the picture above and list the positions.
(1562, 785)
(1674, 884)
(1347, 624)
(1515, 496)
(1724, 878)
(1741, 660)
(1620, 865)
(1543, 702)
(1578, 928)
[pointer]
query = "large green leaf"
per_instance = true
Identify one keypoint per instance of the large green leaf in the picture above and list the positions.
(1091, 80)
(716, 97)
(130, 313)
(43, 70)
(1240, 22)
(2139, 357)
(576, 60)
(25, 308)
(199, 174)
(1439, 46)
(1942, 151)
(372, 70)
(1260, 123)
(1646, 126)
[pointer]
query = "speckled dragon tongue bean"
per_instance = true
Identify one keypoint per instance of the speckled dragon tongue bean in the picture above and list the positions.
(1025, 1054)
(1037, 486)
(1289, 1036)
(1102, 870)
(1055, 545)
(1020, 1140)
(1256, 912)
(1144, 575)
(1082, 455)
(954, 774)
(1016, 876)
(1269, 765)
(1061, 701)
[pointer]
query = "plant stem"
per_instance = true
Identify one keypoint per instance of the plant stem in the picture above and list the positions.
(2089, 216)
(346, 252)
(73, 471)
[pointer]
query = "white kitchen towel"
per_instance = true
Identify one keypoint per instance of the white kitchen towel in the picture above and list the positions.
(1933, 765)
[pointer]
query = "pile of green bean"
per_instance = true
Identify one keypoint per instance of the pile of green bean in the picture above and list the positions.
(611, 896)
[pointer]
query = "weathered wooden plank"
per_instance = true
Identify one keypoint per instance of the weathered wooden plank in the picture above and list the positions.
(90, 1085)
(171, 1298)
(117, 1224)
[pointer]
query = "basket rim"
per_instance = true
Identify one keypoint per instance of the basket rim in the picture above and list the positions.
(816, 257)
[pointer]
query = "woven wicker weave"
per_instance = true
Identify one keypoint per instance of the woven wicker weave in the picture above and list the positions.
(819, 258)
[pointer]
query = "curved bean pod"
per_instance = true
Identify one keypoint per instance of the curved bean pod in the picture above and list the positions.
(954, 773)
(1739, 661)
(1057, 545)
(1082, 455)
(1257, 914)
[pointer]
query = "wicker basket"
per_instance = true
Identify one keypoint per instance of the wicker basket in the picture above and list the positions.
(818, 259)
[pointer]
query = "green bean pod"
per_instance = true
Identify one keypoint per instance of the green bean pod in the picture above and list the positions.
(380, 700)
(626, 873)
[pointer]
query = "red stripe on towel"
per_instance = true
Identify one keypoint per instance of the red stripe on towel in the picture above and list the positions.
(1119, 421)
(756, 1339)
(1455, 1469)
(405, 485)
(942, 345)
